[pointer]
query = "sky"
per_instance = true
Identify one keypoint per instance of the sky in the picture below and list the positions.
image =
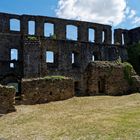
(118, 13)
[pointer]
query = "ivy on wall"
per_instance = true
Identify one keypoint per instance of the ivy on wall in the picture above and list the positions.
(128, 70)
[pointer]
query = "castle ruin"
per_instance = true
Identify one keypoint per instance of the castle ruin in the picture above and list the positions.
(69, 57)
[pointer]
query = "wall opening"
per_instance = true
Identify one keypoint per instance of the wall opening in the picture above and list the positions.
(91, 35)
(75, 59)
(123, 39)
(49, 30)
(31, 27)
(12, 65)
(13, 56)
(71, 32)
(94, 57)
(14, 25)
(77, 87)
(101, 85)
(49, 57)
(103, 36)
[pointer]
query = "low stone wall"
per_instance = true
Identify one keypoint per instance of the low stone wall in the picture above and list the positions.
(109, 78)
(43, 90)
(7, 99)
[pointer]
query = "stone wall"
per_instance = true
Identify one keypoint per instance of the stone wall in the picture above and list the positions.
(107, 78)
(7, 99)
(43, 90)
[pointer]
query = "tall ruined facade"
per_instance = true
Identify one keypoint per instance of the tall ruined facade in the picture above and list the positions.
(69, 57)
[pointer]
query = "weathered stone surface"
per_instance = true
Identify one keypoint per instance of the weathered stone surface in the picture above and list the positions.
(31, 62)
(106, 78)
(41, 90)
(7, 99)
(136, 83)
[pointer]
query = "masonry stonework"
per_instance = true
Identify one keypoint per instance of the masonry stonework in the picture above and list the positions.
(108, 78)
(7, 99)
(31, 49)
(44, 90)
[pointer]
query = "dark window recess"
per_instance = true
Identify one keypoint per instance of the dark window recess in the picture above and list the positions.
(51, 93)
(101, 86)
(77, 87)
(75, 59)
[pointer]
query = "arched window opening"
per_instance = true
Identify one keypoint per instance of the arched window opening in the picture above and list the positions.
(71, 32)
(14, 25)
(31, 27)
(49, 30)
(103, 36)
(49, 57)
(91, 35)
(123, 39)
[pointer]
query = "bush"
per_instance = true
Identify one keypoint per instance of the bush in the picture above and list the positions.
(128, 70)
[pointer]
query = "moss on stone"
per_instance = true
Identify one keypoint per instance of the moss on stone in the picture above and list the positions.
(32, 38)
(55, 77)
(128, 70)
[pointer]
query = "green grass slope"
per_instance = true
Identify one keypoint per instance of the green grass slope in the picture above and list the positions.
(79, 118)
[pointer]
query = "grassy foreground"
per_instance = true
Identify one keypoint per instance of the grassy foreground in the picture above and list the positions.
(79, 118)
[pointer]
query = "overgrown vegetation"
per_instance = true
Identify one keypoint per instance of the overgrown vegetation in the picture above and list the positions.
(32, 38)
(128, 70)
(52, 36)
(58, 77)
(134, 56)
(79, 118)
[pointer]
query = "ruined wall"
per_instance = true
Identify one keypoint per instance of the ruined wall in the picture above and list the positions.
(134, 36)
(32, 52)
(7, 99)
(106, 78)
(43, 90)
(8, 42)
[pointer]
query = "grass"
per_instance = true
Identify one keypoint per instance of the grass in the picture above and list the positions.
(79, 118)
